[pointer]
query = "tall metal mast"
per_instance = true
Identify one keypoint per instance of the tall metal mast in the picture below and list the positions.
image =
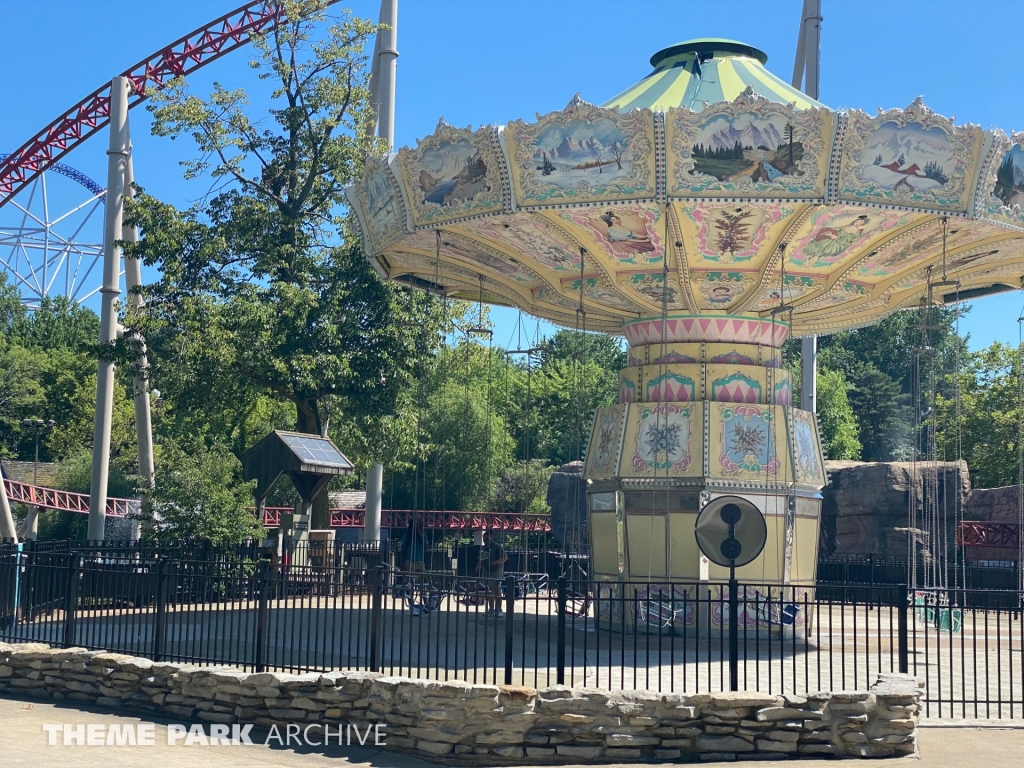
(806, 68)
(382, 96)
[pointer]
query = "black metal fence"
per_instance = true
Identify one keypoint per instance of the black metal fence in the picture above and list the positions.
(838, 570)
(523, 628)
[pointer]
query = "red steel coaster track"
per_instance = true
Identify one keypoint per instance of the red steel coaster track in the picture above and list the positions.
(197, 49)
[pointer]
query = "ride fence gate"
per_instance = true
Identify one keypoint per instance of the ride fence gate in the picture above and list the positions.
(521, 629)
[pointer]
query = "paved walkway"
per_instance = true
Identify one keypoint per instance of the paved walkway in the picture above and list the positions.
(23, 744)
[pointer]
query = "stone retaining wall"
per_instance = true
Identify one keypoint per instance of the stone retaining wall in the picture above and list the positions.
(454, 721)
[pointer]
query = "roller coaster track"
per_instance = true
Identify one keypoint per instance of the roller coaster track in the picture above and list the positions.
(67, 501)
(185, 55)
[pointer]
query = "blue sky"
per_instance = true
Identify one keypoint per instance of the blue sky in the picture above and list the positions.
(477, 62)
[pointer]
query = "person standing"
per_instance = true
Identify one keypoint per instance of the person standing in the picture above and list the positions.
(490, 564)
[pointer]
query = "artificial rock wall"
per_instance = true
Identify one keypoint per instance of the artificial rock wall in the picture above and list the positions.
(459, 721)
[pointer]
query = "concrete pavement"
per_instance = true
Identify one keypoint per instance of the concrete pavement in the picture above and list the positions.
(23, 744)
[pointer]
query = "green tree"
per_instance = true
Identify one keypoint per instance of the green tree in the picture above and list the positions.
(989, 403)
(839, 427)
(264, 290)
(199, 494)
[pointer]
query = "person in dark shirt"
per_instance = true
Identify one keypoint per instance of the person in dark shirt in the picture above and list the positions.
(491, 565)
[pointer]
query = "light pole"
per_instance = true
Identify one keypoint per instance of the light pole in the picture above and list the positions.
(38, 425)
(30, 526)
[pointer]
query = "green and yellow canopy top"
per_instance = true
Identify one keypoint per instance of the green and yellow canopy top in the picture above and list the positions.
(694, 73)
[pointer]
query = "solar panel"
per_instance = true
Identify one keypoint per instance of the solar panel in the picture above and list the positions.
(316, 450)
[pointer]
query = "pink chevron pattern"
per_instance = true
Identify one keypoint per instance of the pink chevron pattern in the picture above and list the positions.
(736, 388)
(696, 328)
(784, 393)
(671, 387)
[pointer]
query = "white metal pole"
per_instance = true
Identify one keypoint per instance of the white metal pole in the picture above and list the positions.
(7, 529)
(374, 494)
(117, 156)
(382, 98)
(140, 380)
(805, 72)
(387, 68)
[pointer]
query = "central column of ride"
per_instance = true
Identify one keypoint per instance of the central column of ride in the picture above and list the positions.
(705, 409)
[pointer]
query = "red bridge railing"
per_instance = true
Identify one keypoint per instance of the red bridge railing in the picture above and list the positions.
(976, 534)
(68, 501)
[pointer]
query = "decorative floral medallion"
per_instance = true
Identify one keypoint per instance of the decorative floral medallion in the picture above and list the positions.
(663, 438)
(748, 441)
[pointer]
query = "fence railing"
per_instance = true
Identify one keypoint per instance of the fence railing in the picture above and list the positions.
(523, 629)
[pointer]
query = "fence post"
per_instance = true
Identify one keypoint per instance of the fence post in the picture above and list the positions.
(262, 610)
(71, 598)
(734, 647)
(510, 609)
(562, 600)
(161, 608)
(903, 596)
(377, 583)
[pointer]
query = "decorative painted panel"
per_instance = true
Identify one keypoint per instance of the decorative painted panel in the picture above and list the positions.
(530, 238)
(745, 442)
(720, 234)
(583, 154)
(1005, 202)
(452, 174)
(806, 448)
(628, 235)
(910, 157)
(603, 451)
(744, 330)
(669, 386)
(736, 386)
(751, 147)
(662, 439)
(379, 205)
(836, 234)
(719, 291)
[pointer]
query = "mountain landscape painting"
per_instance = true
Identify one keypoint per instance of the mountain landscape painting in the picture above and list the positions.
(592, 151)
(453, 171)
(1010, 178)
(746, 146)
(910, 157)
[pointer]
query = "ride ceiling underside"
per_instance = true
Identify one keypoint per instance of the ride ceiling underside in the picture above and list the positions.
(762, 203)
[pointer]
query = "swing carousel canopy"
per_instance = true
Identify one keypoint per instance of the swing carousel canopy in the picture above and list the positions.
(711, 189)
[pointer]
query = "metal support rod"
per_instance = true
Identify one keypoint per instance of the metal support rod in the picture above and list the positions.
(140, 379)
(387, 69)
(374, 493)
(117, 156)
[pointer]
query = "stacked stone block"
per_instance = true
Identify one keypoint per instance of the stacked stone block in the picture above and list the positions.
(453, 720)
